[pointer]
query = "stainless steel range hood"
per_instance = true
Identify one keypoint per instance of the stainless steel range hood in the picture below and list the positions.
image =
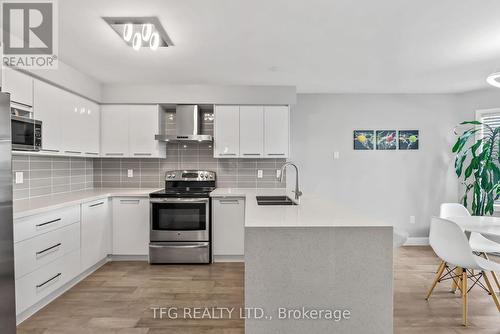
(187, 126)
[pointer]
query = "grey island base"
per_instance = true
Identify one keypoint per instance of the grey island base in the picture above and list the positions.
(318, 280)
(316, 267)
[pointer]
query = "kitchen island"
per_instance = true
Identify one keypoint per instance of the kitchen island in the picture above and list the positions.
(314, 268)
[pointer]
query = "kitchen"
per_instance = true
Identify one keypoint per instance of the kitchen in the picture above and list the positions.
(155, 190)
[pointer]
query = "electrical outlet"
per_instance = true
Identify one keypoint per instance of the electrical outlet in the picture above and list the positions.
(260, 174)
(130, 173)
(336, 155)
(278, 173)
(412, 219)
(19, 177)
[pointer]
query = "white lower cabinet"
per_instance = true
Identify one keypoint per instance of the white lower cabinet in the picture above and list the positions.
(38, 284)
(34, 253)
(96, 232)
(130, 226)
(228, 223)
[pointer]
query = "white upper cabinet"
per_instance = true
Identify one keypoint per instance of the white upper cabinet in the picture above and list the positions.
(47, 104)
(143, 125)
(227, 132)
(19, 85)
(91, 120)
(114, 130)
(70, 123)
(276, 131)
(251, 131)
(129, 131)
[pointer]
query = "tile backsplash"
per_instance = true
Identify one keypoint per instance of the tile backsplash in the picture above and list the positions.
(44, 176)
(150, 173)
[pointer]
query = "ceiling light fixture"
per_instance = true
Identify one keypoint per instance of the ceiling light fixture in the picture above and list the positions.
(140, 32)
(154, 41)
(147, 31)
(492, 79)
(137, 42)
(128, 30)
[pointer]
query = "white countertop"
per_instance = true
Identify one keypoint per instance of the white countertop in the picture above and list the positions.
(33, 206)
(312, 211)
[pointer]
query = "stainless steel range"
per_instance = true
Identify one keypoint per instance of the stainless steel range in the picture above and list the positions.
(181, 219)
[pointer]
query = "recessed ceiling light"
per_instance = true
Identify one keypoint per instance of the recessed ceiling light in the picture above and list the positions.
(492, 79)
(139, 32)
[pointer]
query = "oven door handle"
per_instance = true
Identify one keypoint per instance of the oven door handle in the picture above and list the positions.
(179, 200)
(178, 246)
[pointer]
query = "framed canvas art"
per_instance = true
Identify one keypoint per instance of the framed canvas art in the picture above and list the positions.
(363, 139)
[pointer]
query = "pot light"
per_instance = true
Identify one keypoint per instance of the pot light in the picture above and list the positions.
(147, 31)
(154, 41)
(128, 30)
(136, 42)
(140, 32)
(492, 79)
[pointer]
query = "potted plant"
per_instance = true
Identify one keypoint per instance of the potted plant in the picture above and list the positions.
(482, 173)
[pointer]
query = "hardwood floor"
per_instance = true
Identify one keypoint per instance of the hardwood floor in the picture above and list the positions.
(119, 296)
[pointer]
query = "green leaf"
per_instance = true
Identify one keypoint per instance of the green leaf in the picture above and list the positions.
(459, 163)
(462, 140)
(471, 122)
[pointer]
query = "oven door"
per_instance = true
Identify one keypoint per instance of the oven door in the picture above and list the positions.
(180, 219)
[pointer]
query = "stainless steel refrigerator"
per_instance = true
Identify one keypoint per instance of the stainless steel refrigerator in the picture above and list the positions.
(7, 287)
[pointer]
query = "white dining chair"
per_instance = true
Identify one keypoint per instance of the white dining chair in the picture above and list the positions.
(477, 241)
(451, 245)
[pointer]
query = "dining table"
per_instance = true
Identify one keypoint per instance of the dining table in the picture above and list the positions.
(488, 226)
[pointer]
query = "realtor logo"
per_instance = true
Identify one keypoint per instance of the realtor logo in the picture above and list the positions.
(29, 38)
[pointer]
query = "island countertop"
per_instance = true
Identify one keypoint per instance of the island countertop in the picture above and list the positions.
(312, 210)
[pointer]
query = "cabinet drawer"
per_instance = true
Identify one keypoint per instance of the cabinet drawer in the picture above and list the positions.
(36, 252)
(33, 287)
(32, 226)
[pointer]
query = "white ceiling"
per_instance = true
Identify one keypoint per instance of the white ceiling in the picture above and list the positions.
(382, 46)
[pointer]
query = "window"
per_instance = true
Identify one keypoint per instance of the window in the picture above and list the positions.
(490, 117)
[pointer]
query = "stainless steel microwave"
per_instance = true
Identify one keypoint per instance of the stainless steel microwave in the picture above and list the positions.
(26, 133)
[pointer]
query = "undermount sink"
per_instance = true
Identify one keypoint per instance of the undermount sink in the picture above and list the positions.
(274, 200)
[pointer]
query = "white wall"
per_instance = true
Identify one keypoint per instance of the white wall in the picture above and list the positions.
(71, 79)
(390, 185)
(115, 93)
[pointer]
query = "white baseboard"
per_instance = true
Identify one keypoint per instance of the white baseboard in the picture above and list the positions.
(48, 299)
(423, 241)
(129, 257)
(229, 258)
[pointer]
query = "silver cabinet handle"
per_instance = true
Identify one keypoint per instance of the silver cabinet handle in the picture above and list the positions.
(49, 280)
(229, 201)
(179, 200)
(47, 150)
(115, 154)
(49, 222)
(96, 204)
(129, 201)
(229, 154)
(92, 153)
(143, 154)
(51, 248)
(280, 154)
(177, 246)
(253, 154)
(73, 152)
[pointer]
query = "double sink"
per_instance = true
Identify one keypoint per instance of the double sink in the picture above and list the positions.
(274, 200)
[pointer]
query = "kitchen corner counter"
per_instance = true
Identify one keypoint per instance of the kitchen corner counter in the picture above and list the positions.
(33, 206)
(312, 210)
